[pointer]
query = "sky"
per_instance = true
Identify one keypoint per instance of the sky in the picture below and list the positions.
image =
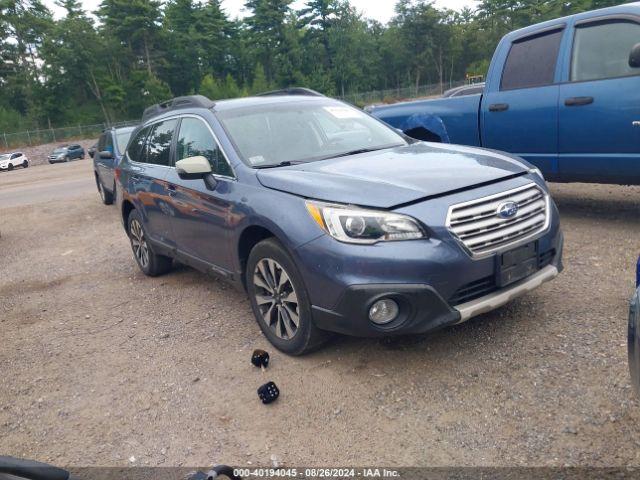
(381, 10)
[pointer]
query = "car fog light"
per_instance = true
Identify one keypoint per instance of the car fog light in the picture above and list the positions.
(384, 311)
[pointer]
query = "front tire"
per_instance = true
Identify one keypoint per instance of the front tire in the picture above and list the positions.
(149, 262)
(10, 167)
(280, 301)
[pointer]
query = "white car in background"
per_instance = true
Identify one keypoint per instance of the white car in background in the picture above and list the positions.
(9, 161)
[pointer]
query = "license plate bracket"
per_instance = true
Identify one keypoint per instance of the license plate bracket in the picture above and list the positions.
(516, 264)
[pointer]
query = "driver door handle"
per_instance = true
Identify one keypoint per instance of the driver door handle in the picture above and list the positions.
(578, 101)
(172, 190)
(499, 107)
(636, 123)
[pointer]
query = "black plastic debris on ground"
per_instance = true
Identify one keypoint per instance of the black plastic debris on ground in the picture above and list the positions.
(260, 358)
(268, 393)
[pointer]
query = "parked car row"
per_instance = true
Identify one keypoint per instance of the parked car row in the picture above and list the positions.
(63, 153)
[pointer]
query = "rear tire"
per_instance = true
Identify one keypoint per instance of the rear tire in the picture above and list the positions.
(25, 164)
(149, 262)
(105, 196)
(278, 298)
(66, 159)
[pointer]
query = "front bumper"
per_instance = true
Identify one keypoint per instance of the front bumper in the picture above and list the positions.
(435, 281)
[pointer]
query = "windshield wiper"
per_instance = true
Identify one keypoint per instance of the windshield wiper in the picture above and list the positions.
(286, 163)
(357, 151)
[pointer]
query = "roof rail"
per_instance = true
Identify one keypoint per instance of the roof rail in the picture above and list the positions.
(291, 91)
(191, 101)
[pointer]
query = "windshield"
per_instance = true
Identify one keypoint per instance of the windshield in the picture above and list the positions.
(4, 157)
(122, 138)
(303, 131)
(60, 150)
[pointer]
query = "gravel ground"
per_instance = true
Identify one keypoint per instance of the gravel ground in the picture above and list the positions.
(38, 155)
(103, 366)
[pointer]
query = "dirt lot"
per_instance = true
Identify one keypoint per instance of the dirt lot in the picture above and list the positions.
(103, 366)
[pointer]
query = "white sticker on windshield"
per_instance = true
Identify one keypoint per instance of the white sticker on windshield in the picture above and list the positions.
(257, 160)
(343, 112)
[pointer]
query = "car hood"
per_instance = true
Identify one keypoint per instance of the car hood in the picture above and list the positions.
(394, 176)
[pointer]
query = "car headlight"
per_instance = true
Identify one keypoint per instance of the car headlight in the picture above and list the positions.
(358, 225)
(536, 171)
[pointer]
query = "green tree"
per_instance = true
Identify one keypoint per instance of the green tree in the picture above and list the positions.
(260, 83)
(136, 24)
(266, 30)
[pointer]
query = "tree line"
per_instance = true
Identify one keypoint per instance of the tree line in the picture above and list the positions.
(110, 65)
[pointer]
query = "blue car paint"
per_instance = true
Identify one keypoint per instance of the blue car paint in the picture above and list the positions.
(592, 143)
(364, 179)
(204, 228)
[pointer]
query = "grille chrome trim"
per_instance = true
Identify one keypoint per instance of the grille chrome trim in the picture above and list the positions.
(481, 232)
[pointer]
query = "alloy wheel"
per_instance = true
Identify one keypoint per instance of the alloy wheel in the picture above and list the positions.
(139, 244)
(276, 298)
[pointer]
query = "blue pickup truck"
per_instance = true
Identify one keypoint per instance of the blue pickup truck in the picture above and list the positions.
(564, 95)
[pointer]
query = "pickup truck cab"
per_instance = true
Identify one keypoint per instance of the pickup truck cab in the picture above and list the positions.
(564, 95)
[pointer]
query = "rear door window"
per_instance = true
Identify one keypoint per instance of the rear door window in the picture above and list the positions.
(532, 61)
(601, 50)
(159, 143)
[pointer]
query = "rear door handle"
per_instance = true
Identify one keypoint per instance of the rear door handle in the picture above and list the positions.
(172, 190)
(499, 107)
(636, 123)
(578, 101)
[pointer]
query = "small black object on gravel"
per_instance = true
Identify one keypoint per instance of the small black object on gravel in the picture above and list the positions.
(268, 393)
(260, 358)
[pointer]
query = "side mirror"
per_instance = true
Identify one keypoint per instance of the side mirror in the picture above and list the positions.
(634, 56)
(106, 154)
(195, 168)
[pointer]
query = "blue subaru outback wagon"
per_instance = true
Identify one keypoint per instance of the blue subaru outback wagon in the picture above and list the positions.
(331, 220)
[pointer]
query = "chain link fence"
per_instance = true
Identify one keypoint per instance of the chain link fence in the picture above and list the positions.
(397, 94)
(31, 138)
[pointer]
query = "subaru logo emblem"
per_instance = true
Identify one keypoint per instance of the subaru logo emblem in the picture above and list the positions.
(507, 209)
